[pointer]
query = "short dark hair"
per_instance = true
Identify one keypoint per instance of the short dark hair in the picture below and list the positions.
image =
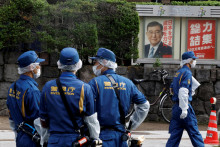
(155, 23)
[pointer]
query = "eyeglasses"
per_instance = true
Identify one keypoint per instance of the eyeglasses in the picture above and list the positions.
(156, 32)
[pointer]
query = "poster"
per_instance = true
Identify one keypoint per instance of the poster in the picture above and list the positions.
(201, 38)
(158, 38)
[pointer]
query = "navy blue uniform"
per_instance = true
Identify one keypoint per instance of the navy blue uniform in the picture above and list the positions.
(183, 78)
(80, 99)
(24, 107)
(106, 105)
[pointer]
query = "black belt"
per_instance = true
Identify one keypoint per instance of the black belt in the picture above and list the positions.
(75, 132)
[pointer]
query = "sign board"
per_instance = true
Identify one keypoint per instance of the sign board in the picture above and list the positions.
(178, 11)
(201, 38)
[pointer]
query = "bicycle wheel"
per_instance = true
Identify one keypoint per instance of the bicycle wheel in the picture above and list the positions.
(166, 108)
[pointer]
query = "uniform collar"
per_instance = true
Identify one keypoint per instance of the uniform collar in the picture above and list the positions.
(68, 74)
(109, 71)
(25, 77)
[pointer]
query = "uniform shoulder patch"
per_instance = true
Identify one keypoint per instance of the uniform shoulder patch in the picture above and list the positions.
(177, 74)
(189, 81)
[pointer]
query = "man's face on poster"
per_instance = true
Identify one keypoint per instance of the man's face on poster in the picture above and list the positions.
(154, 35)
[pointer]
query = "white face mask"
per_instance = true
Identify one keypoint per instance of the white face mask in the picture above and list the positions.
(96, 71)
(37, 75)
(193, 64)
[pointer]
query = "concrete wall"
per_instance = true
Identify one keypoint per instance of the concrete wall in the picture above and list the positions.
(208, 76)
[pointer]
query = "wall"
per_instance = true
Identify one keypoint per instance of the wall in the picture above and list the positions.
(208, 76)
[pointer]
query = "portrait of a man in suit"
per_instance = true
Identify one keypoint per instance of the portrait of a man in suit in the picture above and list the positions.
(156, 48)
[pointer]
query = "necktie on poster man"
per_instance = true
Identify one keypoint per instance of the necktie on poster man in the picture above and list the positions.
(151, 55)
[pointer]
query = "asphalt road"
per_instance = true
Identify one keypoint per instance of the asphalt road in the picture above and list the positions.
(155, 134)
(146, 126)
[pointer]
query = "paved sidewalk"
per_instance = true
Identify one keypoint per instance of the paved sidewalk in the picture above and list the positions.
(159, 138)
(152, 138)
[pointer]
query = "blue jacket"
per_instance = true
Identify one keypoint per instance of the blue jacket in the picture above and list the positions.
(79, 97)
(25, 107)
(183, 78)
(106, 102)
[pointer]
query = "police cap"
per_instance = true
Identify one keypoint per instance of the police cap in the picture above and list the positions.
(104, 53)
(69, 56)
(27, 58)
(188, 55)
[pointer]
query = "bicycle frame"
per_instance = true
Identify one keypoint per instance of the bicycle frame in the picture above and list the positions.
(165, 102)
(160, 96)
(164, 96)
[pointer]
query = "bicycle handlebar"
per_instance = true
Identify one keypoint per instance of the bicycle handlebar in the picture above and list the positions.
(163, 73)
(138, 81)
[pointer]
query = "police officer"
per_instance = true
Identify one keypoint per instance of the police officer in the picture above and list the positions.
(54, 114)
(24, 97)
(107, 103)
(183, 115)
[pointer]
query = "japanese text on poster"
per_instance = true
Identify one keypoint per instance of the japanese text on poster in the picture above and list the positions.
(167, 32)
(201, 38)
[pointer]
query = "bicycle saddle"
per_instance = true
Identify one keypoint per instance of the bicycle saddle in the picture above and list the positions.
(138, 81)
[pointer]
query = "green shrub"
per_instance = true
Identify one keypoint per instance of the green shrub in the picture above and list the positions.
(83, 24)
(18, 22)
(118, 27)
(70, 23)
(157, 63)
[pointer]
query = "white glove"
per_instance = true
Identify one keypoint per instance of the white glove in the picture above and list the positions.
(97, 143)
(184, 114)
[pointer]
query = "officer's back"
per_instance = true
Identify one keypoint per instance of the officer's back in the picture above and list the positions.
(74, 89)
(64, 123)
(111, 108)
(107, 102)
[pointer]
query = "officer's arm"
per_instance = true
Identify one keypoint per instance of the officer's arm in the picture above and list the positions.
(32, 100)
(184, 93)
(95, 90)
(141, 106)
(43, 110)
(12, 125)
(90, 116)
(140, 113)
(11, 122)
(93, 125)
(171, 88)
(183, 98)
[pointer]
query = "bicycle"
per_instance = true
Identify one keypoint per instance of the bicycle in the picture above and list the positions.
(166, 103)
